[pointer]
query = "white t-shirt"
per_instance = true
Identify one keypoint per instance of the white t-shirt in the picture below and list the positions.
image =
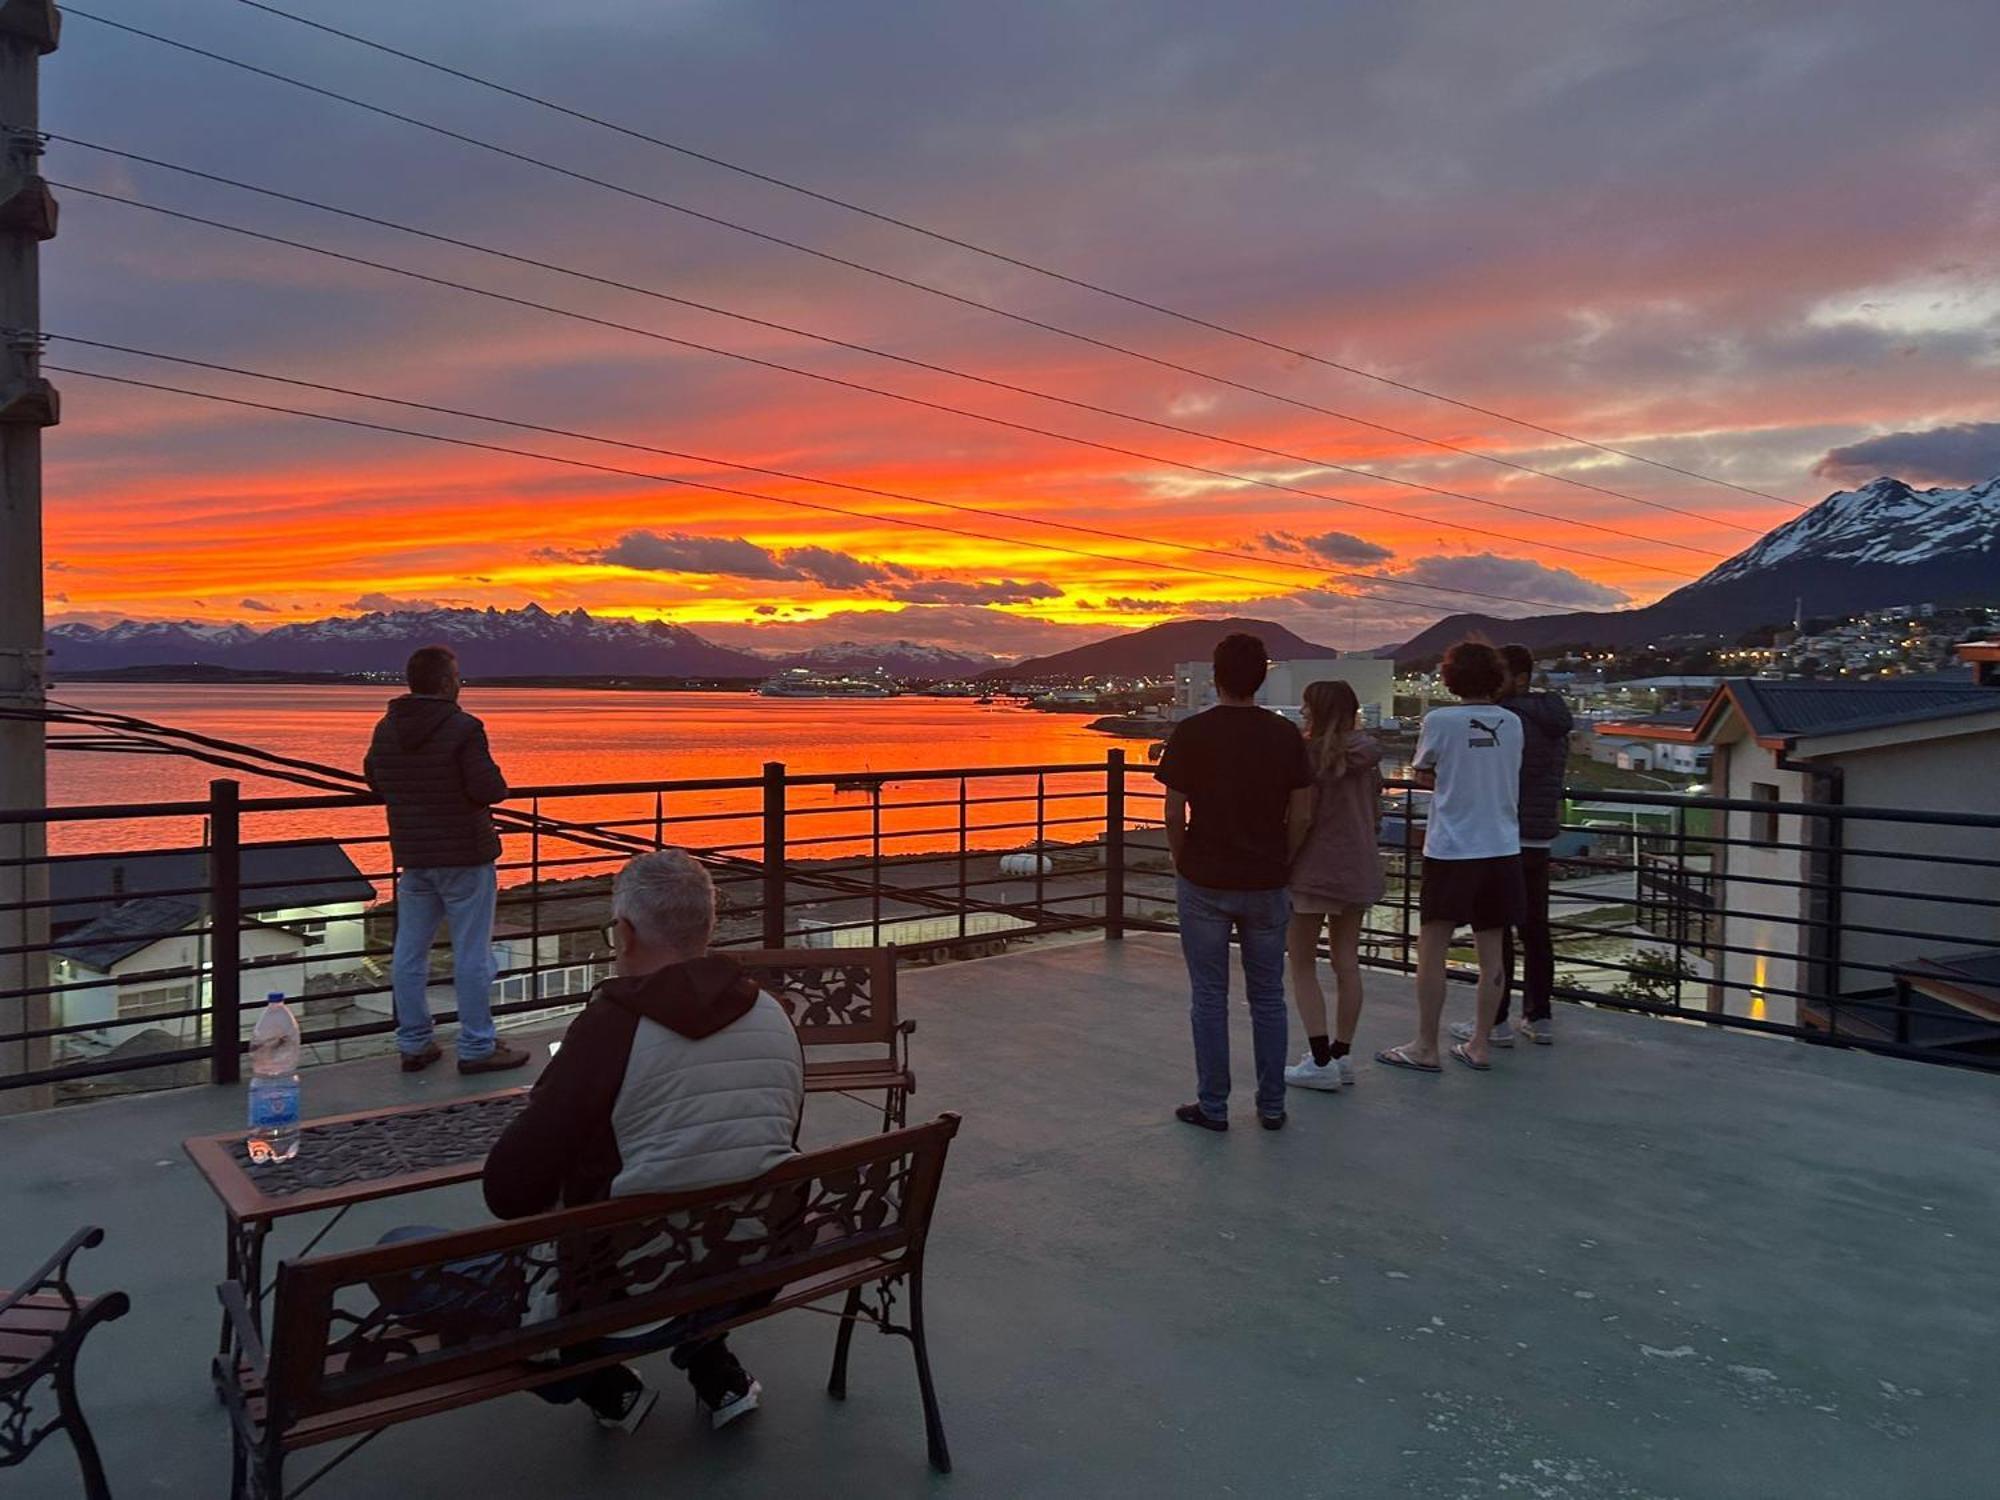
(1475, 748)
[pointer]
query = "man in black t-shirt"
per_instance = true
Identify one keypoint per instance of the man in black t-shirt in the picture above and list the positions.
(1239, 799)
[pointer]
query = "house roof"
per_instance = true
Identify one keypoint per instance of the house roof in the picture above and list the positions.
(125, 929)
(275, 877)
(1679, 725)
(1782, 711)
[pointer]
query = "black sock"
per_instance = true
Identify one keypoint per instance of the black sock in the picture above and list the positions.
(1323, 1052)
(1340, 1049)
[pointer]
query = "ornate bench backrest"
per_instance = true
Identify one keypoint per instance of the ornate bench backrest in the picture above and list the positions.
(366, 1324)
(835, 995)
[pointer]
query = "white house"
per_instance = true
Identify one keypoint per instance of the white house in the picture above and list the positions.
(130, 945)
(1656, 742)
(1814, 904)
(1372, 678)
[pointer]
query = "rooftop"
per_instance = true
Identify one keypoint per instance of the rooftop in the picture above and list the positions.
(1787, 709)
(275, 877)
(1657, 1260)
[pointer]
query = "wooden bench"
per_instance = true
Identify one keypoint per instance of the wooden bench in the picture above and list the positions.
(42, 1328)
(347, 1359)
(843, 997)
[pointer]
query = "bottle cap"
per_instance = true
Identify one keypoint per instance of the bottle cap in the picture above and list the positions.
(275, 996)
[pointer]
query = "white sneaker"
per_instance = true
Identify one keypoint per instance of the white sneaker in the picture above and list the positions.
(1502, 1035)
(1542, 1033)
(1346, 1071)
(1307, 1074)
(638, 1404)
(736, 1406)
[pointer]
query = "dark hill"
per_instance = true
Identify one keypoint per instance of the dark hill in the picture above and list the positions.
(1154, 651)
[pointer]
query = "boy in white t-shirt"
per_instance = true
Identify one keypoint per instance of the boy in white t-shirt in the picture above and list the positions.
(1470, 755)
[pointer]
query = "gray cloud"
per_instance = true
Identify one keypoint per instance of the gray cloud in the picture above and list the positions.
(1961, 454)
(1334, 546)
(260, 607)
(734, 557)
(1487, 572)
(677, 552)
(387, 604)
(953, 591)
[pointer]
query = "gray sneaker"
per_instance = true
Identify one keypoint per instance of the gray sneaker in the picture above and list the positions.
(1542, 1033)
(1502, 1035)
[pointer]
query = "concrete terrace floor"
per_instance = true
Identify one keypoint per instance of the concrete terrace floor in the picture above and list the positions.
(1652, 1261)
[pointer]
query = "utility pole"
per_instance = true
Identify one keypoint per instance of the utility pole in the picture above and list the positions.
(28, 30)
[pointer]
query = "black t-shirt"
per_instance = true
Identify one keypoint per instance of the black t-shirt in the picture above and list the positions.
(1238, 767)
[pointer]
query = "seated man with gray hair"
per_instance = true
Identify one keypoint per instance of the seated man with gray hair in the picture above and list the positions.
(679, 1074)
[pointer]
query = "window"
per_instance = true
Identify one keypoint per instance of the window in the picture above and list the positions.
(158, 1000)
(1764, 825)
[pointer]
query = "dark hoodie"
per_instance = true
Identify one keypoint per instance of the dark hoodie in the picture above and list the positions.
(1545, 725)
(684, 1078)
(430, 763)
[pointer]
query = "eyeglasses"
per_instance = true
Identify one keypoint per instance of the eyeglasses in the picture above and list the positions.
(610, 931)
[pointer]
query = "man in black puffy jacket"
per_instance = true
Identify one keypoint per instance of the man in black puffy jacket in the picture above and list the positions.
(429, 762)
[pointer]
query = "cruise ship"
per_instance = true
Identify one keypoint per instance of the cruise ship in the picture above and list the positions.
(803, 682)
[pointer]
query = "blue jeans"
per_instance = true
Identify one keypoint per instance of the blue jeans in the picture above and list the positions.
(1258, 918)
(463, 896)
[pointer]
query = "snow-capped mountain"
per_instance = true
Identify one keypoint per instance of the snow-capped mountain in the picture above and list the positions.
(906, 659)
(492, 642)
(1875, 547)
(1884, 523)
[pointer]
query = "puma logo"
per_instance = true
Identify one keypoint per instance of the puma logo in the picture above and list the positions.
(1485, 736)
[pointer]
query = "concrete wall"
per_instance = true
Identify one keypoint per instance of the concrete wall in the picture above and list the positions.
(1941, 775)
(1756, 916)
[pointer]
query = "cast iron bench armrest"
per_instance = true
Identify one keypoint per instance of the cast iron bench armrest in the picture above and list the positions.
(54, 1272)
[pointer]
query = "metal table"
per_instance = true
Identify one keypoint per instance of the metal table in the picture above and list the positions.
(343, 1160)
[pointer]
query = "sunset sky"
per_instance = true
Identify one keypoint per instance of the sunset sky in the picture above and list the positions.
(1760, 241)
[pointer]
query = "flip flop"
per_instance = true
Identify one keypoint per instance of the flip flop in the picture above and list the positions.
(1396, 1057)
(1459, 1052)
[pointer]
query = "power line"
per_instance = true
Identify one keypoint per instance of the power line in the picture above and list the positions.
(1039, 269)
(909, 400)
(976, 303)
(838, 484)
(869, 349)
(577, 463)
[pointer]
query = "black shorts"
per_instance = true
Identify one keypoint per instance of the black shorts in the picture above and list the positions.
(1478, 893)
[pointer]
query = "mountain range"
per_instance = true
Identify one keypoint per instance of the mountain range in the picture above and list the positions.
(1874, 547)
(1154, 651)
(525, 642)
(1868, 548)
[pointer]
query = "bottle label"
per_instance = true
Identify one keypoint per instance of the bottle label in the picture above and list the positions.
(274, 1106)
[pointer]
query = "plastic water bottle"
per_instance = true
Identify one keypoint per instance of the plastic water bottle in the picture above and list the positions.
(274, 1083)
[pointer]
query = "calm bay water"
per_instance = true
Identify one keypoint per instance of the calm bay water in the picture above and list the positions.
(548, 736)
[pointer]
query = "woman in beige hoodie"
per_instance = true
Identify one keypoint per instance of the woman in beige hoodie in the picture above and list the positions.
(1336, 878)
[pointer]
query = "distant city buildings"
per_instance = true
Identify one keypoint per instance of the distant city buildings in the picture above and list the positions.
(1372, 678)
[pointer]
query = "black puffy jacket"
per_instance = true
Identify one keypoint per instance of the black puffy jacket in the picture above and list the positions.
(430, 763)
(1545, 725)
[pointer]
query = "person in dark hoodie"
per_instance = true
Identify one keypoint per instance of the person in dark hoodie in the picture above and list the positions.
(679, 1074)
(429, 762)
(1546, 722)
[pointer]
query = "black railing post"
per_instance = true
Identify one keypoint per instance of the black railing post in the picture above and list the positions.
(774, 854)
(875, 859)
(1114, 846)
(225, 932)
(1041, 832)
(963, 829)
(534, 904)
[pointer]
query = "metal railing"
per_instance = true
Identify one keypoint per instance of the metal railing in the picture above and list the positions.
(1805, 920)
